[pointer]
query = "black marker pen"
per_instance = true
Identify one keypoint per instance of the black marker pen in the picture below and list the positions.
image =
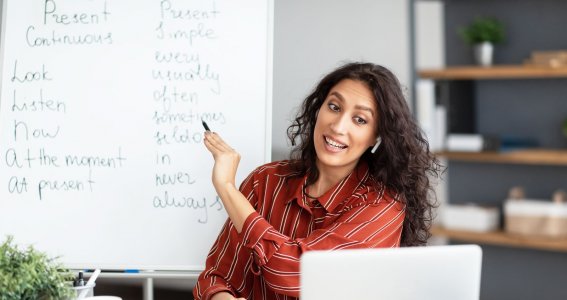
(206, 126)
(80, 281)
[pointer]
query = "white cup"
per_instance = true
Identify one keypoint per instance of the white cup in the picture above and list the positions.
(89, 288)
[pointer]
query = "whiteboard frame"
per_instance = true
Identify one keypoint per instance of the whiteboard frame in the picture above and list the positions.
(269, 82)
(267, 146)
(3, 34)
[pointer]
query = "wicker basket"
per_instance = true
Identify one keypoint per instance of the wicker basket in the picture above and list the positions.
(537, 217)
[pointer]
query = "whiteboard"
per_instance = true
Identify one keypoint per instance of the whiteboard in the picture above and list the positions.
(102, 160)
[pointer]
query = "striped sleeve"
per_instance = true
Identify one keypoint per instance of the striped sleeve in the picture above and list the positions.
(213, 279)
(276, 256)
(227, 261)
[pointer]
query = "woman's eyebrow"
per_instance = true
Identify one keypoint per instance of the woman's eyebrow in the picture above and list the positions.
(366, 108)
(338, 95)
(360, 107)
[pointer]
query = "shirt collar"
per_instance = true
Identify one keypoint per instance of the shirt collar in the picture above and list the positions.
(337, 193)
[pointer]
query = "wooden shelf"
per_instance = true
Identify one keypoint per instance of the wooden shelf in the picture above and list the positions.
(529, 157)
(500, 238)
(495, 72)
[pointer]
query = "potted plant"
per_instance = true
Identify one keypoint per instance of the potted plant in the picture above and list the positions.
(30, 274)
(483, 33)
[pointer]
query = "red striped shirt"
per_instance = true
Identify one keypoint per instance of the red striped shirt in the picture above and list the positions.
(262, 262)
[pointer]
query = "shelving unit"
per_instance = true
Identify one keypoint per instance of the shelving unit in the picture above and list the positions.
(463, 84)
(501, 238)
(508, 99)
(547, 157)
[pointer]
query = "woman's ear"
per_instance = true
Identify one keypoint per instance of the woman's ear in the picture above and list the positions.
(378, 142)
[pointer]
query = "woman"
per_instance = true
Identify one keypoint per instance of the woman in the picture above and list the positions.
(356, 179)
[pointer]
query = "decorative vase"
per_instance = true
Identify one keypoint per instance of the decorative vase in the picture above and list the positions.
(483, 53)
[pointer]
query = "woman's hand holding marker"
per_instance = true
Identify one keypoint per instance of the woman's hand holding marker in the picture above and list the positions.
(224, 174)
(226, 160)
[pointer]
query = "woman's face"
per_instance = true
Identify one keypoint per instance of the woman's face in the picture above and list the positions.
(346, 126)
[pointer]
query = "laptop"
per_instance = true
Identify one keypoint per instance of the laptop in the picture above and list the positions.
(433, 272)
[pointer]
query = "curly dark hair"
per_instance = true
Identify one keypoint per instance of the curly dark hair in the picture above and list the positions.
(403, 160)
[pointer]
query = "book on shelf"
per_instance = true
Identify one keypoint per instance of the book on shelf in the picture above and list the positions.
(431, 116)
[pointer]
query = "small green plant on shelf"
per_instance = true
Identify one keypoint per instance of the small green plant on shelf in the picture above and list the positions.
(483, 29)
(483, 34)
(30, 274)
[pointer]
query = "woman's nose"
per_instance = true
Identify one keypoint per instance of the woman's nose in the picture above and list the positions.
(340, 124)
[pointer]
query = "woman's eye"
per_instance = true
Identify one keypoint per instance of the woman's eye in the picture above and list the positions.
(359, 120)
(333, 107)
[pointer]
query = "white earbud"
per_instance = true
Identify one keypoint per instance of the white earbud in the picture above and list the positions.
(378, 142)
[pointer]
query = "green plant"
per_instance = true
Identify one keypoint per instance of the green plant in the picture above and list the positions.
(30, 274)
(483, 30)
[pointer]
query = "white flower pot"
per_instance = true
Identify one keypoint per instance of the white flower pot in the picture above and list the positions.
(483, 53)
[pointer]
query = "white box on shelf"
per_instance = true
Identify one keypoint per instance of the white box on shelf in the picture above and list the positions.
(471, 142)
(465, 142)
(470, 217)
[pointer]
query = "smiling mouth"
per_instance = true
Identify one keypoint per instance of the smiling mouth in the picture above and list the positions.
(334, 143)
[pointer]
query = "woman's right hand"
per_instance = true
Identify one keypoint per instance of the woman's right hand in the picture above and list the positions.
(226, 161)
(225, 296)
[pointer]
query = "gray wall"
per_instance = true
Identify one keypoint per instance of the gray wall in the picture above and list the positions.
(313, 37)
(529, 108)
